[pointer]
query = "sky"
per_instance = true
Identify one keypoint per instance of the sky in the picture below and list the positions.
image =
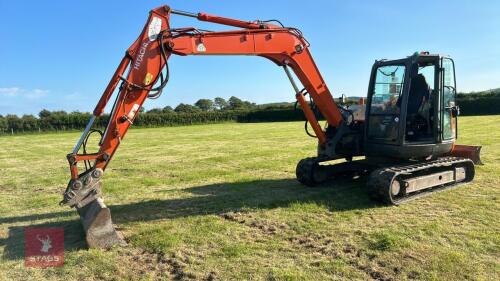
(60, 55)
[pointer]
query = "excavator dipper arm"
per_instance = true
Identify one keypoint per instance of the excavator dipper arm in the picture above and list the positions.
(143, 67)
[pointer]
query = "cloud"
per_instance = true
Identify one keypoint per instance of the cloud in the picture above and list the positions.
(72, 97)
(31, 94)
(9, 92)
(36, 93)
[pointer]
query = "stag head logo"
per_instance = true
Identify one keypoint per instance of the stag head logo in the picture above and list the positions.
(46, 243)
(43, 247)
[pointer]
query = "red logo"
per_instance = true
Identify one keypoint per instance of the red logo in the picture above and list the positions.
(44, 247)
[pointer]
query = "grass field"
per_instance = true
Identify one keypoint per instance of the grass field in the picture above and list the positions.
(220, 202)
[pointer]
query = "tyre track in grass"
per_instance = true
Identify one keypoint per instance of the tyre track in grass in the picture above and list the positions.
(315, 243)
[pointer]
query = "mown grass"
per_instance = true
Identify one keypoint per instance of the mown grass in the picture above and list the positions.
(219, 202)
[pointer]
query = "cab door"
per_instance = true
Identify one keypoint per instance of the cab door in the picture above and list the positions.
(384, 103)
(449, 108)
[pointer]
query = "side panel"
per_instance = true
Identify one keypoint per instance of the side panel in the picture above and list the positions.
(408, 151)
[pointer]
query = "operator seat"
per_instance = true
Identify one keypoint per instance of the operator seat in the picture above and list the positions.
(419, 90)
(418, 122)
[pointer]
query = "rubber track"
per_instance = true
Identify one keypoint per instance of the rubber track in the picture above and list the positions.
(380, 180)
(305, 171)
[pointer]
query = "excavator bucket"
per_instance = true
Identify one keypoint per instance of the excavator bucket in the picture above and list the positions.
(98, 226)
(468, 151)
(84, 194)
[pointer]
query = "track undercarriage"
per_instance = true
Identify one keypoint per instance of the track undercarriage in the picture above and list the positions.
(393, 184)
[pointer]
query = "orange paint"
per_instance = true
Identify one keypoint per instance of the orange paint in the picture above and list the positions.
(144, 62)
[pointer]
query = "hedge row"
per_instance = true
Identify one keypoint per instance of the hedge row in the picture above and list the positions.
(487, 103)
(62, 121)
(179, 119)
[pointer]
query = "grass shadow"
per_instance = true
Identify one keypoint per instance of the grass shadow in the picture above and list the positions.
(339, 195)
(36, 217)
(14, 244)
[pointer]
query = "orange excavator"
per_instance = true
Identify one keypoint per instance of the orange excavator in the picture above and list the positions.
(402, 137)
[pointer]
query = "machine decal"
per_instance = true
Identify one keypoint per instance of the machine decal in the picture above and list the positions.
(140, 56)
(148, 79)
(201, 48)
(154, 28)
(133, 112)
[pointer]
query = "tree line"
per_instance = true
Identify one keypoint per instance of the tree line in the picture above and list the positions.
(208, 105)
(209, 111)
(203, 111)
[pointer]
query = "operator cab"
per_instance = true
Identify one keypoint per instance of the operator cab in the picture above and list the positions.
(411, 110)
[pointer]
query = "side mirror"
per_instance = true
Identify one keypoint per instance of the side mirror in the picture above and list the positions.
(342, 99)
(455, 111)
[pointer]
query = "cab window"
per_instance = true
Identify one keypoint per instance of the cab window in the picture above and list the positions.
(386, 102)
(419, 114)
(449, 94)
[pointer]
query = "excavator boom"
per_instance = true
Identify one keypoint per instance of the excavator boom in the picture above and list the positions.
(145, 65)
